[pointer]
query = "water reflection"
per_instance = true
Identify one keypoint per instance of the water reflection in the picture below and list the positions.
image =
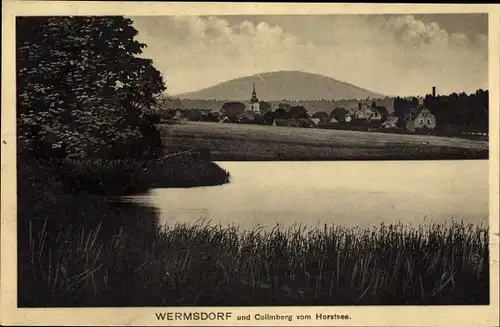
(346, 193)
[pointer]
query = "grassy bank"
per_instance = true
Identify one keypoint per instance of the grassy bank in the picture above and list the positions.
(257, 142)
(119, 177)
(78, 250)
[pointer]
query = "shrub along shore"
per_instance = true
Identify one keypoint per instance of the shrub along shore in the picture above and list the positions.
(126, 176)
(80, 250)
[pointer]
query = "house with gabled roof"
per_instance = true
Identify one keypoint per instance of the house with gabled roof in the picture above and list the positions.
(366, 112)
(419, 118)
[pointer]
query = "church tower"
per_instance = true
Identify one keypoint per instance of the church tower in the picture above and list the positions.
(254, 101)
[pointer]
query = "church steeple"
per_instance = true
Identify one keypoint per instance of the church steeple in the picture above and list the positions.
(254, 101)
(254, 95)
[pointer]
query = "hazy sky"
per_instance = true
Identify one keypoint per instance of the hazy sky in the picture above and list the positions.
(390, 54)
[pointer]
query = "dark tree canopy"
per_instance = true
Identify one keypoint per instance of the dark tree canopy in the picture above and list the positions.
(233, 108)
(82, 87)
(384, 113)
(284, 106)
(264, 107)
(339, 114)
(461, 110)
(298, 112)
(320, 114)
(281, 113)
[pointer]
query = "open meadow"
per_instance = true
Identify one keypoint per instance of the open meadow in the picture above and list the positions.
(262, 142)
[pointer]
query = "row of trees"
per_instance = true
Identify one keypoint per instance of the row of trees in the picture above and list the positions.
(83, 90)
(284, 110)
(287, 111)
(454, 111)
(235, 108)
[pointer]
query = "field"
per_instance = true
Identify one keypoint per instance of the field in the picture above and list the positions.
(260, 142)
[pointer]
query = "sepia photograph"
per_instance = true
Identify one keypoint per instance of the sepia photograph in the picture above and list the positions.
(252, 160)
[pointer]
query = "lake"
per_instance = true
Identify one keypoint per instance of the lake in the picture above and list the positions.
(343, 193)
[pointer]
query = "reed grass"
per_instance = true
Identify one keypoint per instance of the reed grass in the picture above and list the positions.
(201, 264)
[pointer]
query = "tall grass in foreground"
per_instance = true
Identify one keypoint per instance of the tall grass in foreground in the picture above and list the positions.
(200, 264)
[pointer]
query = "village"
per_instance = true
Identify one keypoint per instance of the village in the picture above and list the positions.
(355, 114)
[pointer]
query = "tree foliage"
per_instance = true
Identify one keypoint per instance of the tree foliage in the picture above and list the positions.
(320, 114)
(298, 112)
(460, 110)
(339, 114)
(232, 108)
(264, 107)
(81, 86)
(456, 111)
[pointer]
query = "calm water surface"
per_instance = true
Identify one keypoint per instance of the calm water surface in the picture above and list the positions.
(345, 193)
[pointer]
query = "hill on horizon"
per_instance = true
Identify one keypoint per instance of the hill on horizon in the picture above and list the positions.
(281, 85)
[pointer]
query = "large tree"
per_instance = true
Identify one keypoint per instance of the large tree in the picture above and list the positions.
(320, 114)
(82, 87)
(298, 112)
(264, 107)
(232, 108)
(339, 114)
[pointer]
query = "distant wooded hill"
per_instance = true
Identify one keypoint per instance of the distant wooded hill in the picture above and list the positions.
(280, 85)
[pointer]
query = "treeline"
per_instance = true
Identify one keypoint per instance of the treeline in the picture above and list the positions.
(312, 106)
(463, 112)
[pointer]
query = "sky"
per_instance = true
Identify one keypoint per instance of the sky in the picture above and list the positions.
(390, 54)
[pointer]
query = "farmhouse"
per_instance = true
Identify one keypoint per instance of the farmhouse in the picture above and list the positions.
(419, 118)
(367, 113)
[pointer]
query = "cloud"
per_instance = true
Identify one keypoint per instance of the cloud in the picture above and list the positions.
(415, 32)
(390, 54)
